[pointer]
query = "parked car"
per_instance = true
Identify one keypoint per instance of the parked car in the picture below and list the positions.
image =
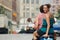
(57, 27)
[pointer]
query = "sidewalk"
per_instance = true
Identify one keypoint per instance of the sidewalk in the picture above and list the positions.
(15, 36)
(18, 37)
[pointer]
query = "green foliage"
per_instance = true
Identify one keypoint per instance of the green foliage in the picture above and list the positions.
(59, 14)
(2, 10)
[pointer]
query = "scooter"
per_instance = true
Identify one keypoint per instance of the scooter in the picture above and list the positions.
(50, 37)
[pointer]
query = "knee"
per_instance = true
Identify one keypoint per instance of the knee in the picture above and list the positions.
(54, 34)
(35, 33)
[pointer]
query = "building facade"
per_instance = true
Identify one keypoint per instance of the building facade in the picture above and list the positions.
(28, 8)
(7, 4)
(55, 7)
(25, 9)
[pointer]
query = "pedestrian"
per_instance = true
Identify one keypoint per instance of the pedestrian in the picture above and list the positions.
(29, 25)
(45, 20)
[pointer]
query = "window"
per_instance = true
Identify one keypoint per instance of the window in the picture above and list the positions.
(33, 15)
(27, 15)
(53, 10)
(32, 8)
(37, 9)
(32, 1)
(37, 1)
(23, 1)
(27, 1)
(27, 8)
(57, 1)
(22, 21)
(53, 6)
(23, 7)
(24, 14)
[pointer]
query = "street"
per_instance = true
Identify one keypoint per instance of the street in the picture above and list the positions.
(19, 16)
(18, 37)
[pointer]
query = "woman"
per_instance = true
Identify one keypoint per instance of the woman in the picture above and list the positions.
(45, 20)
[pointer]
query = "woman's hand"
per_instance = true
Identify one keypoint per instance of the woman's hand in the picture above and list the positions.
(45, 35)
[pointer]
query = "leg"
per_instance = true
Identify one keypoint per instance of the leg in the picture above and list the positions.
(35, 35)
(54, 36)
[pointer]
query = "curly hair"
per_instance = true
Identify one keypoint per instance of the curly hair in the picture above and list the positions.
(41, 7)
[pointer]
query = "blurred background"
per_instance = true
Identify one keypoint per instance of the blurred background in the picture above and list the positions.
(14, 14)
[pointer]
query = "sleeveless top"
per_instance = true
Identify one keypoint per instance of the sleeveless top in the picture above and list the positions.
(43, 24)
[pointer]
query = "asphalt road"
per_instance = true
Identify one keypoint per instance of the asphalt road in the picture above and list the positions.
(17, 37)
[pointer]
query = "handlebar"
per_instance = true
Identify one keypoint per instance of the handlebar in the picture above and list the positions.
(50, 36)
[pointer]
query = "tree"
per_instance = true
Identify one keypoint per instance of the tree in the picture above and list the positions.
(2, 10)
(59, 14)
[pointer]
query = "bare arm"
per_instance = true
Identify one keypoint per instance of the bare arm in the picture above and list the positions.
(48, 23)
(36, 23)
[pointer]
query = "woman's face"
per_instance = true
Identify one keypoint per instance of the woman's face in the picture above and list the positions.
(45, 8)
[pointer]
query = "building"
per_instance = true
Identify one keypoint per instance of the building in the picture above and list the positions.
(28, 8)
(55, 6)
(0, 1)
(7, 4)
(57, 2)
